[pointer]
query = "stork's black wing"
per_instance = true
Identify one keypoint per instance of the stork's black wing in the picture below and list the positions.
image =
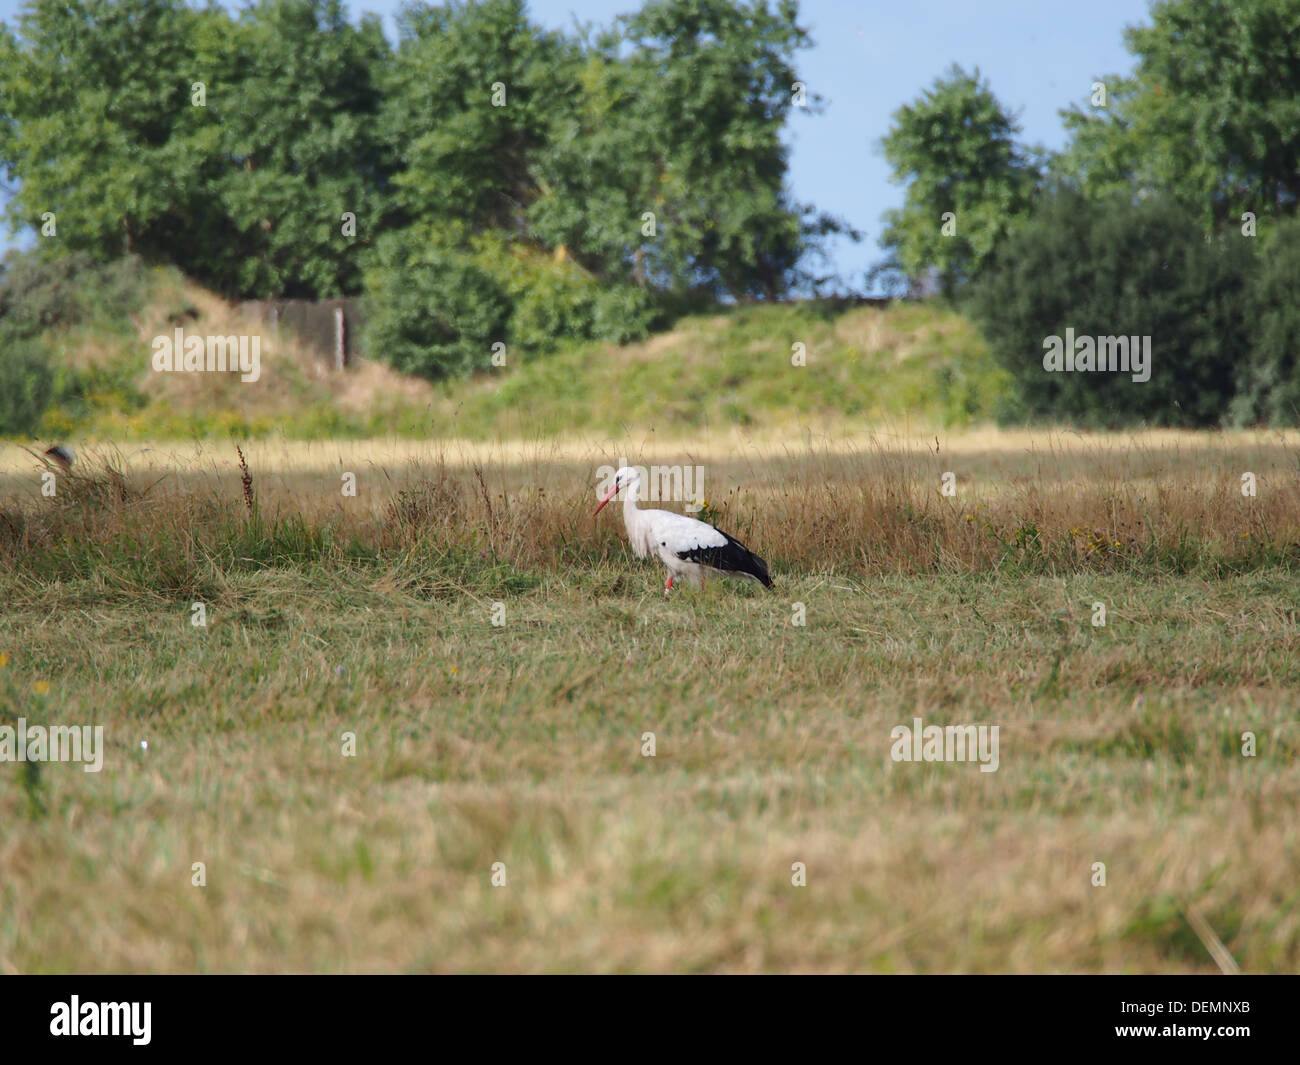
(731, 557)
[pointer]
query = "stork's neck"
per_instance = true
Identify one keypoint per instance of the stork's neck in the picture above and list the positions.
(629, 500)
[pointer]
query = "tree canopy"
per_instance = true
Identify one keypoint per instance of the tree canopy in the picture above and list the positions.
(572, 180)
(967, 179)
(1210, 115)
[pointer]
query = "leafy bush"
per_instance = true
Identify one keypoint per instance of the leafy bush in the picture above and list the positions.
(1119, 268)
(622, 313)
(28, 381)
(553, 299)
(39, 293)
(1268, 387)
(79, 392)
(436, 314)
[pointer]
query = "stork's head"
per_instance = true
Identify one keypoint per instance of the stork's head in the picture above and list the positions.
(624, 477)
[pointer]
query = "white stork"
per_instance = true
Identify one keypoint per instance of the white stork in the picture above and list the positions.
(689, 548)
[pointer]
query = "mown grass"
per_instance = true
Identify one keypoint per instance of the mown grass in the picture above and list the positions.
(521, 743)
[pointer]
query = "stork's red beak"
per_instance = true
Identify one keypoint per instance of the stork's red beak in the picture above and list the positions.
(608, 496)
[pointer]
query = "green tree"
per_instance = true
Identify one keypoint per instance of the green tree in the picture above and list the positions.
(241, 183)
(679, 117)
(473, 93)
(1211, 115)
(1112, 268)
(293, 101)
(95, 100)
(968, 181)
(1268, 382)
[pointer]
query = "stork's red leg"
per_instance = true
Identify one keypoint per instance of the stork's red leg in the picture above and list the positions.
(669, 586)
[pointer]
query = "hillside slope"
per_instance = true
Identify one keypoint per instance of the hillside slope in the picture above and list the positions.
(763, 368)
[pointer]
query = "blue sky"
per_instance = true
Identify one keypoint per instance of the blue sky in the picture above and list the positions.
(869, 58)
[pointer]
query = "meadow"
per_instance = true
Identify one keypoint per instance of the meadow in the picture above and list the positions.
(525, 743)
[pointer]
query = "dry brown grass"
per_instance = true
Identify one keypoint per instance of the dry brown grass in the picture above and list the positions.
(1053, 503)
(295, 382)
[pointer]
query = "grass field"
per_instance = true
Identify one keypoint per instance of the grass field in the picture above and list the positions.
(522, 743)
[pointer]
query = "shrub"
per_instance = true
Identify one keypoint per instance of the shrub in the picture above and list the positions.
(554, 299)
(26, 381)
(437, 311)
(39, 293)
(1119, 268)
(1268, 382)
(436, 314)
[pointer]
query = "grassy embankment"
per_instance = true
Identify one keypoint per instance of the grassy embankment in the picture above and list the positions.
(733, 369)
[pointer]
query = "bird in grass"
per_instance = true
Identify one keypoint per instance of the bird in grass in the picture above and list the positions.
(61, 454)
(690, 549)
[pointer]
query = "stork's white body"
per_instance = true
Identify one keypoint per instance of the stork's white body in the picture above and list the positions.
(679, 541)
(663, 533)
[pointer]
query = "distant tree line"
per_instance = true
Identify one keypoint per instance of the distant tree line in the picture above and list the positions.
(483, 181)
(1170, 214)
